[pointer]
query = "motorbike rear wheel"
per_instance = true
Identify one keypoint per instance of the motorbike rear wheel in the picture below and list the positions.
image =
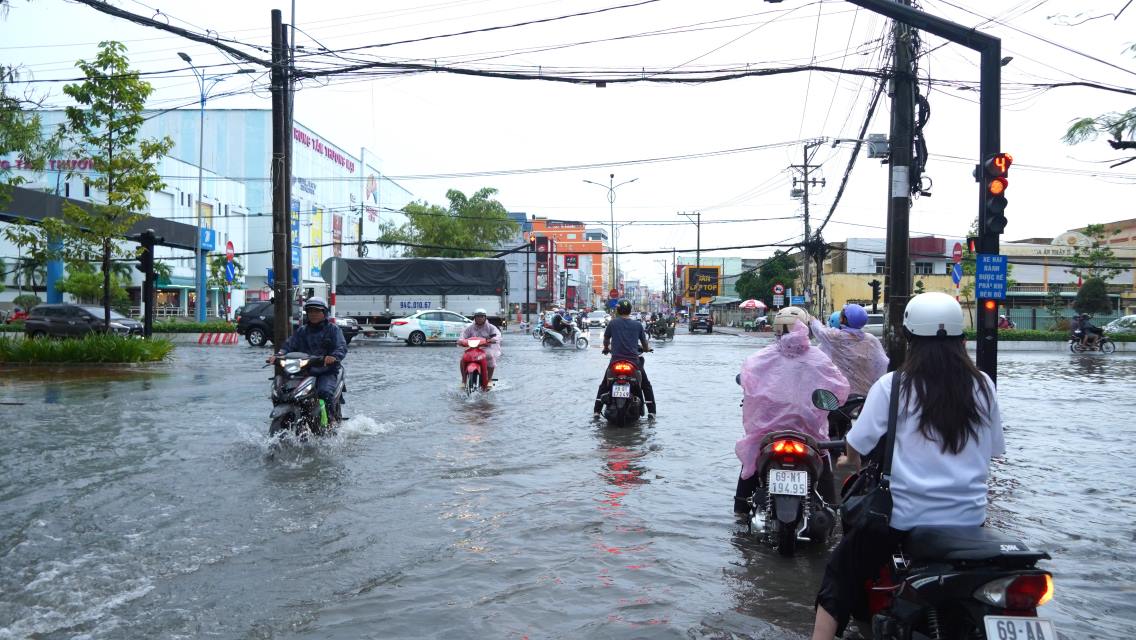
(549, 341)
(786, 539)
(1076, 346)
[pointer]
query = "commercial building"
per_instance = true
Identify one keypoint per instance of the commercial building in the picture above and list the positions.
(581, 252)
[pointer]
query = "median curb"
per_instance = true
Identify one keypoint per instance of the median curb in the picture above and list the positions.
(208, 339)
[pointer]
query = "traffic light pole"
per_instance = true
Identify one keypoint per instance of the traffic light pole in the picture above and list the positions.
(989, 133)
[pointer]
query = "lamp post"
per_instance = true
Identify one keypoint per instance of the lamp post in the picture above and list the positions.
(198, 257)
(611, 187)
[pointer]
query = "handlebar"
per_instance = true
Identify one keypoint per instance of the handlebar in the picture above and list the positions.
(830, 445)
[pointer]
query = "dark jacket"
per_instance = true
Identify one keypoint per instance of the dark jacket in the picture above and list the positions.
(324, 339)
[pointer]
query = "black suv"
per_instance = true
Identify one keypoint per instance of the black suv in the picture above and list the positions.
(255, 322)
(75, 321)
(702, 322)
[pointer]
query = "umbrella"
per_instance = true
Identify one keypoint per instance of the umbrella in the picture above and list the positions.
(752, 304)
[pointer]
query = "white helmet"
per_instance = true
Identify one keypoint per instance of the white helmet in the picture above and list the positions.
(933, 315)
(787, 317)
(479, 312)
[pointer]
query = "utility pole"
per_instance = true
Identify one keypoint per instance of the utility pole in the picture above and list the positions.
(693, 290)
(281, 179)
(805, 181)
(897, 262)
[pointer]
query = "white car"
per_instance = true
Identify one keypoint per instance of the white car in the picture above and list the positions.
(1121, 326)
(875, 325)
(598, 319)
(429, 326)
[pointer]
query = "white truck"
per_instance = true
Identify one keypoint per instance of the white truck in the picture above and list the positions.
(374, 292)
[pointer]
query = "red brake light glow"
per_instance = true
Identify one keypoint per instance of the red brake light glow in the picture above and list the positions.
(623, 367)
(1028, 592)
(399, 323)
(788, 447)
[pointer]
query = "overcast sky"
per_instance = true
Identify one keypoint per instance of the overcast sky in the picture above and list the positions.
(438, 123)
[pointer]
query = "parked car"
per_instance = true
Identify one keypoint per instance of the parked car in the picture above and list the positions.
(429, 326)
(875, 325)
(598, 319)
(702, 322)
(256, 322)
(1125, 325)
(75, 321)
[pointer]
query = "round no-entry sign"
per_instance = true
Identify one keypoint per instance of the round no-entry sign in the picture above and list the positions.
(229, 251)
(614, 293)
(956, 254)
(778, 289)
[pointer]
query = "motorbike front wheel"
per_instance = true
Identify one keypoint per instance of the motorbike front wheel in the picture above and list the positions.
(1107, 346)
(279, 425)
(472, 383)
(581, 343)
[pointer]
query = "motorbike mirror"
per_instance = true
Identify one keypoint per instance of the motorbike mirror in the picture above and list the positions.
(825, 399)
(738, 379)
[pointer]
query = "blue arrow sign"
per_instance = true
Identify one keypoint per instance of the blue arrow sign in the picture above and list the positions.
(230, 272)
(956, 274)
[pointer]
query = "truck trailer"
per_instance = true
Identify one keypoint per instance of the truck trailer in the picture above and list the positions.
(375, 292)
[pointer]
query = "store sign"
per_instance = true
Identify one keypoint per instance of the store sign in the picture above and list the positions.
(323, 148)
(571, 261)
(703, 282)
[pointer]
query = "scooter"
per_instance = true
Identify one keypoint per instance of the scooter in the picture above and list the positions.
(957, 582)
(295, 405)
(841, 418)
(1080, 343)
(624, 402)
(575, 338)
(660, 330)
(474, 365)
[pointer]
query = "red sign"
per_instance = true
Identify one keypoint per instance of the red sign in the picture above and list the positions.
(229, 251)
(956, 255)
(571, 261)
(778, 289)
(614, 293)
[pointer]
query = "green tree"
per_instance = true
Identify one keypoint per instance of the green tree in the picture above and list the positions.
(1055, 304)
(1093, 297)
(106, 122)
(217, 272)
(1118, 126)
(779, 269)
(1098, 259)
(21, 132)
(473, 225)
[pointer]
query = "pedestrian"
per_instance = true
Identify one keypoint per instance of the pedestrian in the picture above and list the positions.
(948, 428)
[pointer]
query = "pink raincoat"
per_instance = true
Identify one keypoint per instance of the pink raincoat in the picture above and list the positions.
(859, 355)
(778, 383)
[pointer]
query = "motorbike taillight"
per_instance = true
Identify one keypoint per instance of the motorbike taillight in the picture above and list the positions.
(788, 447)
(623, 368)
(1019, 592)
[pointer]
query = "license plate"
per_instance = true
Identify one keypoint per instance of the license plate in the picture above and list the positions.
(621, 391)
(788, 483)
(1013, 628)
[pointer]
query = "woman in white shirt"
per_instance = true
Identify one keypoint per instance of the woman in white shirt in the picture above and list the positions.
(948, 427)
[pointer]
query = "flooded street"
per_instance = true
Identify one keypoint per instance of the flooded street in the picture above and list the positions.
(144, 504)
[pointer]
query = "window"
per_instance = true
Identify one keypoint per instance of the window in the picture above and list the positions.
(226, 211)
(86, 190)
(453, 317)
(880, 265)
(433, 316)
(67, 189)
(571, 236)
(181, 198)
(924, 268)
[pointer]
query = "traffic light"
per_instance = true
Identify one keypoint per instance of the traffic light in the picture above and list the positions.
(875, 285)
(990, 314)
(972, 244)
(995, 169)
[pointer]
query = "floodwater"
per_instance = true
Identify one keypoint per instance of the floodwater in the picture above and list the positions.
(145, 504)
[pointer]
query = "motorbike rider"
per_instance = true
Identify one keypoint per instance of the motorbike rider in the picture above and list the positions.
(482, 328)
(778, 383)
(1090, 333)
(623, 339)
(834, 320)
(318, 338)
(947, 430)
(858, 355)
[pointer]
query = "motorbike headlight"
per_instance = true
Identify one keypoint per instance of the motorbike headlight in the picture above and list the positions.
(305, 389)
(291, 366)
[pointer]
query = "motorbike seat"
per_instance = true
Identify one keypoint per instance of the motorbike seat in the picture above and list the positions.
(967, 544)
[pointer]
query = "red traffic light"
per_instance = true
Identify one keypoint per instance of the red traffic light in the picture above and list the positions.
(999, 164)
(997, 186)
(990, 305)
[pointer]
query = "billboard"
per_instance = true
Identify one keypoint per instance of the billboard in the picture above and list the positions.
(545, 285)
(571, 261)
(703, 283)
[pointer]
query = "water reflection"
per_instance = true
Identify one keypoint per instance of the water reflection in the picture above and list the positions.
(773, 588)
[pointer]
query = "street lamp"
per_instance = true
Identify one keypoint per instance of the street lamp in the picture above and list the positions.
(611, 187)
(199, 260)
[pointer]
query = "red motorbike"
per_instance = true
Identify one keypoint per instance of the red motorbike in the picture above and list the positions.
(474, 365)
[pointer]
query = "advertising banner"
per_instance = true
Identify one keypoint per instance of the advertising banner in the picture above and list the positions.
(544, 284)
(571, 261)
(317, 240)
(703, 283)
(337, 234)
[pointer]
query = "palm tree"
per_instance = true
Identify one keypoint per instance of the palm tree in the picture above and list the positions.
(29, 272)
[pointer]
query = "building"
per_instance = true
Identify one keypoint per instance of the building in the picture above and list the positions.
(581, 252)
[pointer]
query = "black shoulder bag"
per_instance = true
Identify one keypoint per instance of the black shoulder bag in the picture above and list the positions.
(866, 501)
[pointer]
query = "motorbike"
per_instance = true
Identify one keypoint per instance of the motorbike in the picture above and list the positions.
(840, 419)
(1079, 342)
(957, 582)
(474, 365)
(575, 339)
(538, 332)
(624, 402)
(660, 330)
(295, 405)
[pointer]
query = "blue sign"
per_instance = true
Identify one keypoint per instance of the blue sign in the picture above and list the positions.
(797, 300)
(956, 274)
(230, 271)
(208, 239)
(296, 257)
(612, 303)
(295, 277)
(990, 276)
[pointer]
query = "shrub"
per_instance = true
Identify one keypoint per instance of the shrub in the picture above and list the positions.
(13, 327)
(1027, 335)
(213, 326)
(94, 348)
(26, 301)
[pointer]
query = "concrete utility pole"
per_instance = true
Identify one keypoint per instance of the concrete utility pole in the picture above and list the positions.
(281, 183)
(897, 261)
(806, 182)
(693, 290)
(611, 187)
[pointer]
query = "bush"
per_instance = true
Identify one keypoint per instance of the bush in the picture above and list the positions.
(1027, 335)
(213, 326)
(26, 301)
(13, 327)
(94, 348)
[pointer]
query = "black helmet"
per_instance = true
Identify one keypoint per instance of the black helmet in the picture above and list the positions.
(623, 308)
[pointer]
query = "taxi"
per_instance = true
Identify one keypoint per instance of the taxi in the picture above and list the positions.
(435, 325)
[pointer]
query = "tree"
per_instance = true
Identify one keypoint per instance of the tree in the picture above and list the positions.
(106, 123)
(217, 272)
(779, 269)
(1055, 304)
(472, 226)
(1093, 297)
(1098, 259)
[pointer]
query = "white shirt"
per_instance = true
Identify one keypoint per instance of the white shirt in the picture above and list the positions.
(930, 487)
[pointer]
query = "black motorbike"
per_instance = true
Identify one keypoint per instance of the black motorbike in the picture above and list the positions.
(295, 403)
(623, 402)
(957, 582)
(1080, 342)
(660, 330)
(840, 419)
